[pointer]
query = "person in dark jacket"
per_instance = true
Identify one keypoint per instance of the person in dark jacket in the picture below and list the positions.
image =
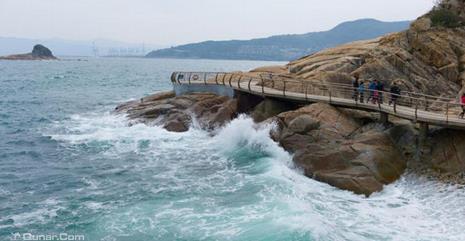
(380, 92)
(372, 86)
(395, 93)
(361, 91)
(355, 85)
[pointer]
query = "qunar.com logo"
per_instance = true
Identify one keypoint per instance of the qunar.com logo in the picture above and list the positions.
(47, 237)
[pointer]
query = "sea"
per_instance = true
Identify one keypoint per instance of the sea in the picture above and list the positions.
(70, 169)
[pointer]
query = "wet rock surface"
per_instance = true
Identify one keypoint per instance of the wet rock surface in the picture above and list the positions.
(345, 148)
(333, 147)
(176, 113)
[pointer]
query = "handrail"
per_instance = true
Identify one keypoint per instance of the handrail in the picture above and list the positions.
(436, 106)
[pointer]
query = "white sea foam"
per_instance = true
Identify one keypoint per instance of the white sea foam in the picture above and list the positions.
(213, 196)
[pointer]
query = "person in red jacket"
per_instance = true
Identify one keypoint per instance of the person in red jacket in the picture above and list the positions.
(462, 102)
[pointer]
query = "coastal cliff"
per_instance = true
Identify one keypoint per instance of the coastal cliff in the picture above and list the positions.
(428, 58)
(345, 148)
(39, 52)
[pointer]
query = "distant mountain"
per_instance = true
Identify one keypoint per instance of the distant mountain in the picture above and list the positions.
(63, 47)
(283, 47)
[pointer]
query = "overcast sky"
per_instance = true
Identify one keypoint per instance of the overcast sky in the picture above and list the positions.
(172, 22)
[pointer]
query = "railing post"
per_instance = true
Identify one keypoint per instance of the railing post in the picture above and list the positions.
(239, 82)
(205, 78)
(173, 77)
(249, 84)
(306, 92)
(263, 88)
(230, 79)
(224, 77)
(284, 88)
(178, 79)
(190, 76)
(447, 113)
(216, 79)
(426, 104)
(395, 106)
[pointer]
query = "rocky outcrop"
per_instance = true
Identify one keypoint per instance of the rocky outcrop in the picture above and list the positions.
(269, 108)
(345, 148)
(176, 113)
(39, 52)
(335, 148)
(340, 147)
(448, 151)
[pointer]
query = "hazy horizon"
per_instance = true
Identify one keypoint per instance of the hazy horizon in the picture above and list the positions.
(181, 21)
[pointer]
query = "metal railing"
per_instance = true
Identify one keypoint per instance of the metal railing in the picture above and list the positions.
(437, 107)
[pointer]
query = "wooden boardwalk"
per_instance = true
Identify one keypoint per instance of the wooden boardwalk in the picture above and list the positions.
(416, 107)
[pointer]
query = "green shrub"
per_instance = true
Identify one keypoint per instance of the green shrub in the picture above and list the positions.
(445, 18)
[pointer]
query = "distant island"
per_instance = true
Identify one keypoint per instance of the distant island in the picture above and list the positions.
(283, 47)
(39, 52)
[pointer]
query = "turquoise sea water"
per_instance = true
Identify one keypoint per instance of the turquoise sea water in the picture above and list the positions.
(69, 166)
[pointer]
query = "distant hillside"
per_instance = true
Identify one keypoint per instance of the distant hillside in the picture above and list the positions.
(283, 47)
(64, 47)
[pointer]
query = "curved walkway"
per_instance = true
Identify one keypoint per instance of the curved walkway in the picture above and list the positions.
(417, 107)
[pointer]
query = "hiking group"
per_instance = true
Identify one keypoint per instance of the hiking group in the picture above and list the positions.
(375, 91)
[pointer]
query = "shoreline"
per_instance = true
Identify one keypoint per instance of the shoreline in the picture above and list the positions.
(339, 148)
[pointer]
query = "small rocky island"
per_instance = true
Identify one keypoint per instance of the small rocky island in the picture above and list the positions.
(348, 149)
(39, 52)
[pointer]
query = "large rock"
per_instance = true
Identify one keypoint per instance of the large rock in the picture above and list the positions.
(269, 108)
(333, 147)
(175, 113)
(448, 151)
(39, 52)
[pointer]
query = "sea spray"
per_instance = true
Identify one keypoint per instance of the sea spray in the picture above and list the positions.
(241, 175)
(244, 139)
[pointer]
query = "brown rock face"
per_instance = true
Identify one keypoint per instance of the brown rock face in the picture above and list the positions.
(333, 147)
(448, 152)
(175, 113)
(269, 108)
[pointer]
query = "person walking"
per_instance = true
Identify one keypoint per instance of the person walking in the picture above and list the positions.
(361, 91)
(462, 103)
(374, 91)
(380, 92)
(371, 89)
(395, 93)
(355, 85)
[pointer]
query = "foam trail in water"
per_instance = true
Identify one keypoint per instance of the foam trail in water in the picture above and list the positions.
(410, 209)
(220, 187)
